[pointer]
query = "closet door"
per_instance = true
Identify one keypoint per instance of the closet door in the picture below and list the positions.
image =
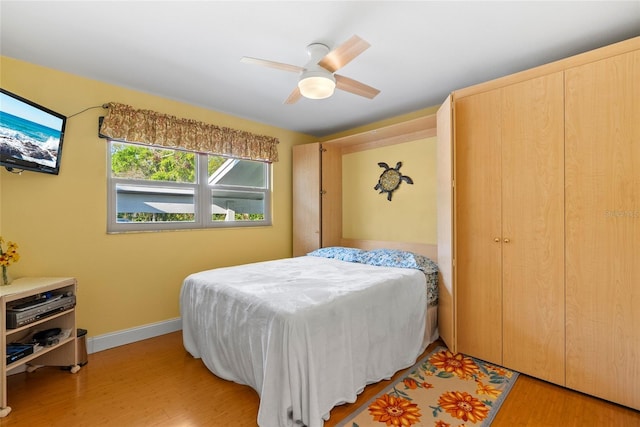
(533, 227)
(446, 294)
(306, 198)
(317, 197)
(603, 228)
(477, 219)
(331, 195)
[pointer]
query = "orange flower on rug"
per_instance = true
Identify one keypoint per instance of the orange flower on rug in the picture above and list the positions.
(443, 389)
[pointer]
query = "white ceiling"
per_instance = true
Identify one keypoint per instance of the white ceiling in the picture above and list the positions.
(420, 50)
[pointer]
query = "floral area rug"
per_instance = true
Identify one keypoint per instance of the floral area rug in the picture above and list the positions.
(443, 389)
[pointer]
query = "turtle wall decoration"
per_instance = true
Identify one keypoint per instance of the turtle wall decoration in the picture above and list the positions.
(390, 179)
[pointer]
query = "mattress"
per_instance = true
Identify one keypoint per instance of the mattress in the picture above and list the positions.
(306, 333)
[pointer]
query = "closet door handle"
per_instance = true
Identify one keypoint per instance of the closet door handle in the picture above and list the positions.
(497, 240)
(506, 240)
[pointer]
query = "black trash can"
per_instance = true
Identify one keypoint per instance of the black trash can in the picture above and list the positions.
(81, 347)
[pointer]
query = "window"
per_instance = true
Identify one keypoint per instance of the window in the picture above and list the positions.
(154, 188)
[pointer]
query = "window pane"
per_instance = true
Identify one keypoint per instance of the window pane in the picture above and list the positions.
(234, 172)
(154, 164)
(155, 188)
(136, 203)
(237, 205)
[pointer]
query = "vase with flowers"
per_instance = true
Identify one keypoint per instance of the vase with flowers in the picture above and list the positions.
(8, 256)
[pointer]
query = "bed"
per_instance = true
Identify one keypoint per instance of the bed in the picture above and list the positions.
(310, 332)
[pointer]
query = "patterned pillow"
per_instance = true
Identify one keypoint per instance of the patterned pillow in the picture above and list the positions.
(338, 252)
(404, 259)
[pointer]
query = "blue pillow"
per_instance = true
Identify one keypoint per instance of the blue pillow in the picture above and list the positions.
(338, 252)
(398, 258)
(404, 259)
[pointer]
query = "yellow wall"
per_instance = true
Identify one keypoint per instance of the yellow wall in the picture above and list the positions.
(411, 214)
(59, 222)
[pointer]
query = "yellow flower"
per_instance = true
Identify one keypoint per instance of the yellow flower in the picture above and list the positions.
(10, 255)
(488, 390)
(394, 411)
(463, 406)
(6, 258)
(457, 363)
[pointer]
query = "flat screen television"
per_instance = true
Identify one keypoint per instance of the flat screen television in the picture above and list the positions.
(30, 135)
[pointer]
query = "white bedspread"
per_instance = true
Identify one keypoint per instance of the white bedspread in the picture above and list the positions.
(306, 333)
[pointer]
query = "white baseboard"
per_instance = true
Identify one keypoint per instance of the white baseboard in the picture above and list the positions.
(127, 336)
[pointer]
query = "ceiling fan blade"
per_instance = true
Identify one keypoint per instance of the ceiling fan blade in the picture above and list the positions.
(294, 96)
(355, 87)
(272, 64)
(343, 54)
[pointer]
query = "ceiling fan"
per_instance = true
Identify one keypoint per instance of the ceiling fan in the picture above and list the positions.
(317, 78)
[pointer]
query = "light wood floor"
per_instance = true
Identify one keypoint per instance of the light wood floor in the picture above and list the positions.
(157, 383)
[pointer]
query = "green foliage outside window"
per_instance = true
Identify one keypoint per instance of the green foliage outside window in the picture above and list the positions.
(239, 217)
(157, 164)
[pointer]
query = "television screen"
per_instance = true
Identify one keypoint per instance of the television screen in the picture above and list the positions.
(30, 135)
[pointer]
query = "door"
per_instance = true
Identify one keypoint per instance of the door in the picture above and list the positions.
(478, 225)
(306, 198)
(317, 197)
(509, 219)
(532, 135)
(446, 295)
(331, 194)
(603, 228)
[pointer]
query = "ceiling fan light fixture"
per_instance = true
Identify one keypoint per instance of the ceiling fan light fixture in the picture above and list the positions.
(316, 87)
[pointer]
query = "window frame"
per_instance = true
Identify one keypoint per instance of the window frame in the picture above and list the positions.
(202, 191)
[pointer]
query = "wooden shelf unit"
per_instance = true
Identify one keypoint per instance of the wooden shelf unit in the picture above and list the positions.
(63, 353)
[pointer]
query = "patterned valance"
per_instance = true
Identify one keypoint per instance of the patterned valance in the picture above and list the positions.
(149, 127)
